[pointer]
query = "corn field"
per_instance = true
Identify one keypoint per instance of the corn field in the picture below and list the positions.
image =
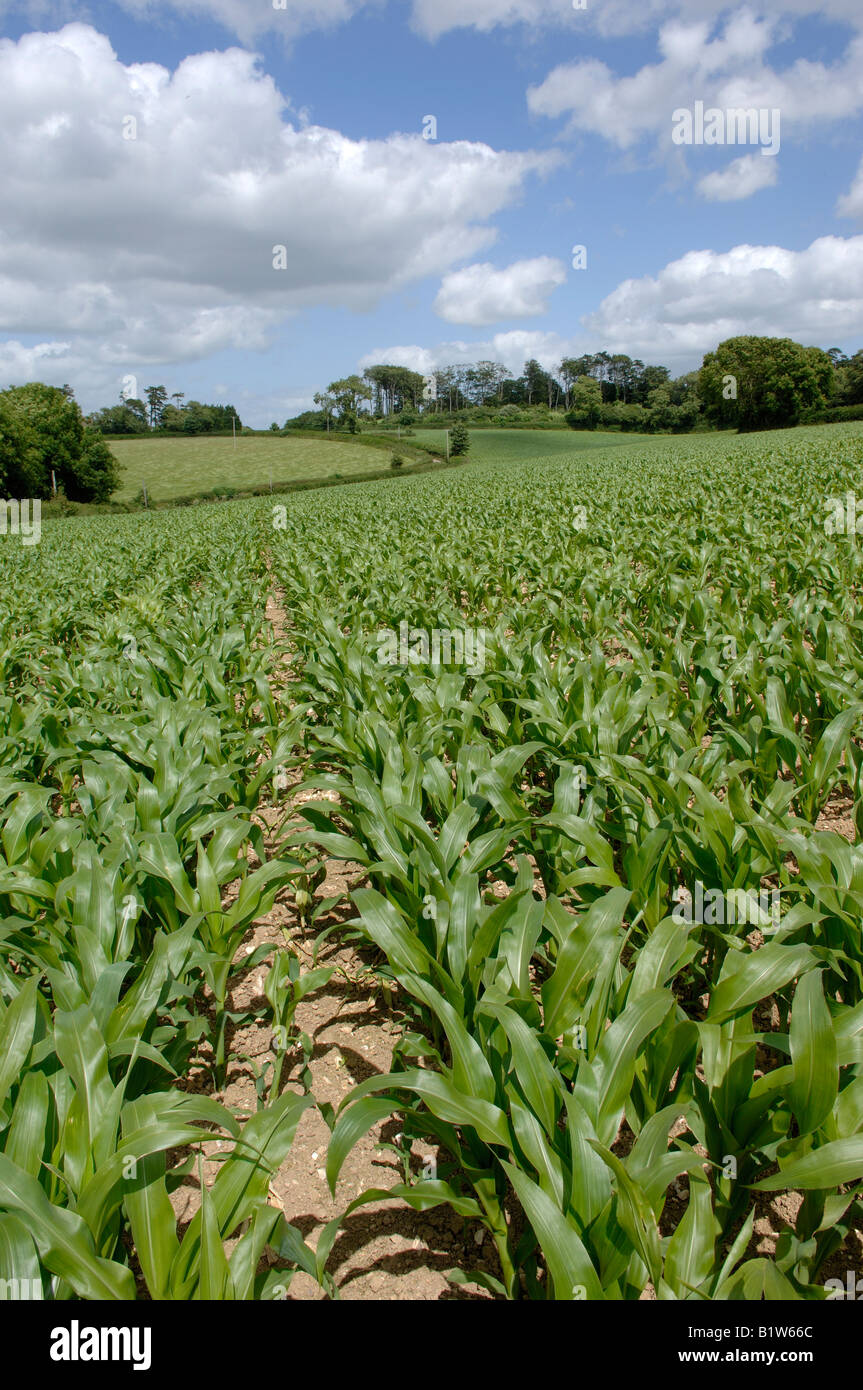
(595, 867)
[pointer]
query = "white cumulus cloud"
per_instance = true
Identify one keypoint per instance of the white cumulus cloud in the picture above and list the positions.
(741, 179)
(164, 247)
(726, 70)
(480, 294)
(814, 295)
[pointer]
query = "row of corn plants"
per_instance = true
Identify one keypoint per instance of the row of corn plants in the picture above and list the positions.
(139, 730)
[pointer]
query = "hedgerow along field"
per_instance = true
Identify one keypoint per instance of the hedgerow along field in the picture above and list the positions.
(670, 699)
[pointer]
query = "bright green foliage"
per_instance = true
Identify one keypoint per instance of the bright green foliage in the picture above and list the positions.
(42, 431)
(763, 383)
(671, 691)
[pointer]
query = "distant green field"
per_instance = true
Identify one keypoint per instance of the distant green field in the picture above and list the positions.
(185, 467)
(189, 467)
(511, 446)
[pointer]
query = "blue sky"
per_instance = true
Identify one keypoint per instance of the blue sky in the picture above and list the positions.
(152, 257)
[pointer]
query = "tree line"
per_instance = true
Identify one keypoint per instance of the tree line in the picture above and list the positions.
(48, 447)
(747, 383)
(157, 413)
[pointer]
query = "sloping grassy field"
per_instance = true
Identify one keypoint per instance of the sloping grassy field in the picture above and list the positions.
(511, 446)
(185, 467)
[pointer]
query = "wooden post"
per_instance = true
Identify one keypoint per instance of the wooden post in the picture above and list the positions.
(54, 482)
